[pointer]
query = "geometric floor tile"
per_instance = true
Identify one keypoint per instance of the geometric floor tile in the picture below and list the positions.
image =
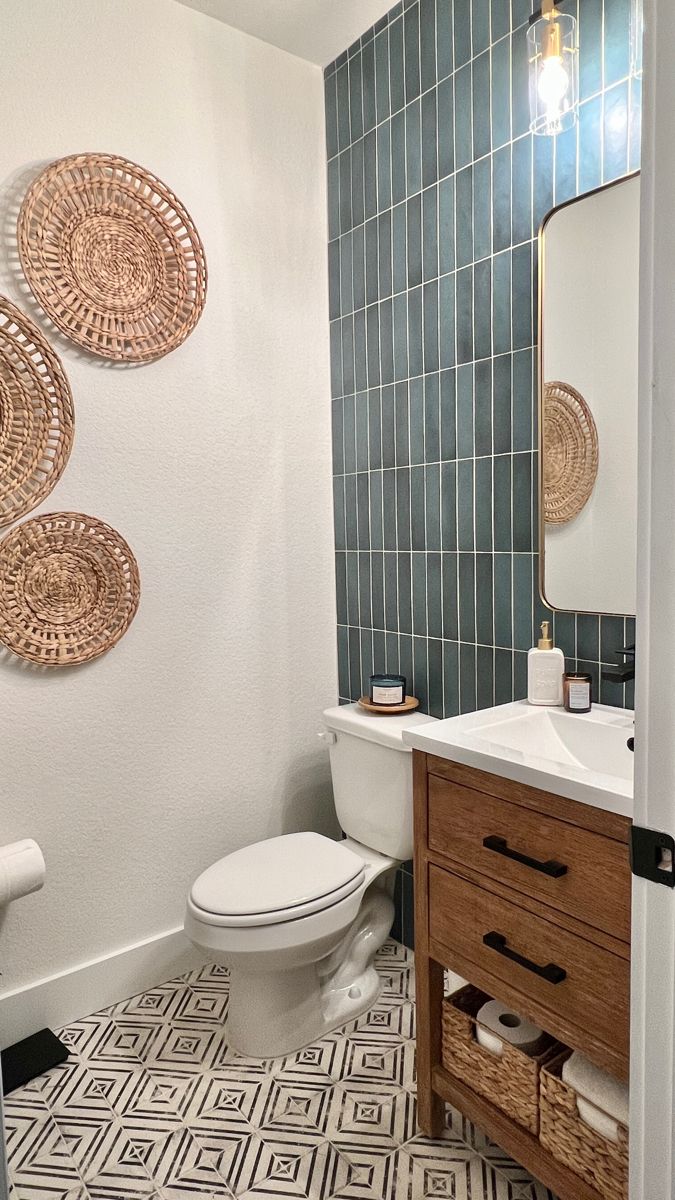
(153, 1104)
(241, 1159)
(190, 1047)
(145, 1102)
(74, 1092)
(227, 1100)
(380, 1061)
(295, 1113)
(535, 1191)
(398, 983)
(40, 1160)
(310, 1176)
(212, 976)
(379, 1117)
(180, 1160)
(321, 1062)
(387, 1022)
(160, 1004)
(200, 1006)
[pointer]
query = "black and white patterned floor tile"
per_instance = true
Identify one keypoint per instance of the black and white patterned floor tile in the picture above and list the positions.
(154, 1104)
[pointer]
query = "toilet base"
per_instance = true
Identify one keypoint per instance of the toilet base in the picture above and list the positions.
(272, 1013)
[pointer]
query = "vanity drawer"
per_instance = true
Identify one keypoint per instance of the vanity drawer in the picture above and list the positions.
(486, 834)
(585, 985)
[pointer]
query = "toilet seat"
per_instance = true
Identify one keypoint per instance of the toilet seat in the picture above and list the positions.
(280, 879)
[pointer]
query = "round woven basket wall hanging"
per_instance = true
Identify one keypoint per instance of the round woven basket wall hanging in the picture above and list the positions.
(112, 256)
(69, 589)
(36, 415)
(570, 453)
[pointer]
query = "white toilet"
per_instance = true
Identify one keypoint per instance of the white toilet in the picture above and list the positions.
(298, 919)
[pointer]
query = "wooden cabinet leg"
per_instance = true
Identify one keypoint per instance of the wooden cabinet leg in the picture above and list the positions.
(429, 974)
(429, 986)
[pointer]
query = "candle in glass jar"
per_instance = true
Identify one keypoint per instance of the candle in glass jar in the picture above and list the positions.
(387, 689)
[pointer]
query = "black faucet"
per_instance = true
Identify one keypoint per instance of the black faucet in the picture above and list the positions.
(625, 671)
(622, 673)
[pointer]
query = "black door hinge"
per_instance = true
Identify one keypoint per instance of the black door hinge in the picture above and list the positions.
(652, 855)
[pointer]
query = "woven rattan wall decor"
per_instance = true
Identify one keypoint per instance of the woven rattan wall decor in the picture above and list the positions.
(69, 589)
(36, 415)
(570, 450)
(112, 256)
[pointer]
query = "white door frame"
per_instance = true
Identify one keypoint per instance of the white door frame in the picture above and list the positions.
(653, 937)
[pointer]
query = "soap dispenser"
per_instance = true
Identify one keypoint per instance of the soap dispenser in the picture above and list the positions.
(545, 669)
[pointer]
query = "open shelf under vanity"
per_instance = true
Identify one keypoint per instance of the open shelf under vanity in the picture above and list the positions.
(521, 1145)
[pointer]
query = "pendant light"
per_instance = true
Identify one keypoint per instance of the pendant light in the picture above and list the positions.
(553, 54)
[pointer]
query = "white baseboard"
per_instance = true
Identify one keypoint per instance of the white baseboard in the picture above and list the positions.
(59, 999)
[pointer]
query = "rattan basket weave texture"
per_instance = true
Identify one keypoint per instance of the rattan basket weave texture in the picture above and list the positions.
(69, 589)
(570, 449)
(36, 415)
(601, 1163)
(112, 256)
(511, 1080)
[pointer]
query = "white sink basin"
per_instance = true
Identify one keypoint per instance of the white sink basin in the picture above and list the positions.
(584, 757)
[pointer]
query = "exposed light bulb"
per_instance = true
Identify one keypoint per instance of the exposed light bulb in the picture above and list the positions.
(553, 82)
(553, 85)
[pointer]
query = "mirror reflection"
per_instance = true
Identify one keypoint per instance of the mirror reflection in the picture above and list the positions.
(588, 400)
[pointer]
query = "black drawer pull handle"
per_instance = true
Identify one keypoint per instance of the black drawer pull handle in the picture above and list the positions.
(500, 846)
(551, 973)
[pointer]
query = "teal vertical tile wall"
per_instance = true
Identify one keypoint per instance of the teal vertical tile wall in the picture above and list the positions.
(436, 190)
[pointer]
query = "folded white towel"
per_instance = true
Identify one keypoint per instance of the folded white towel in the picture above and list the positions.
(606, 1126)
(603, 1090)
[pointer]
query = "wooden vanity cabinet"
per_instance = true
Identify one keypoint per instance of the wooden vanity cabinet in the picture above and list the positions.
(514, 886)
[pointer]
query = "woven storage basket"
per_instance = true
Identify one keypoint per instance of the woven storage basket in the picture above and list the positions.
(570, 452)
(511, 1080)
(69, 589)
(112, 256)
(602, 1164)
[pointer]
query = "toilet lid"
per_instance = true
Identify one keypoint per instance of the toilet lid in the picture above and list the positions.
(302, 872)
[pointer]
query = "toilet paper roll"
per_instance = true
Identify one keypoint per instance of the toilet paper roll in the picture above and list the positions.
(497, 1019)
(489, 1041)
(22, 870)
(601, 1122)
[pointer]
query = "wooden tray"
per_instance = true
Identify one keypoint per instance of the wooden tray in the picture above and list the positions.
(409, 704)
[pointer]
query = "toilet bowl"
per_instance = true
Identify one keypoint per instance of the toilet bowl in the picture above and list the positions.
(299, 918)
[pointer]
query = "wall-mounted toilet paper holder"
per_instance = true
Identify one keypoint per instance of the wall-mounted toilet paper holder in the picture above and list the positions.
(22, 870)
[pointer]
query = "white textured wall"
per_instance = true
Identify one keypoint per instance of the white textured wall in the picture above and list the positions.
(197, 733)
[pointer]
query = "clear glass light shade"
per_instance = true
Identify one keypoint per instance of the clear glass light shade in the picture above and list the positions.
(554, 73)
(636, 35)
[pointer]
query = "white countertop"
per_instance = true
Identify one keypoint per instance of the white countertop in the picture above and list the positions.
(583, 757)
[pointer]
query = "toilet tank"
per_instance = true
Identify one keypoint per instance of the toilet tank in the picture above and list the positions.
(372, 777)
